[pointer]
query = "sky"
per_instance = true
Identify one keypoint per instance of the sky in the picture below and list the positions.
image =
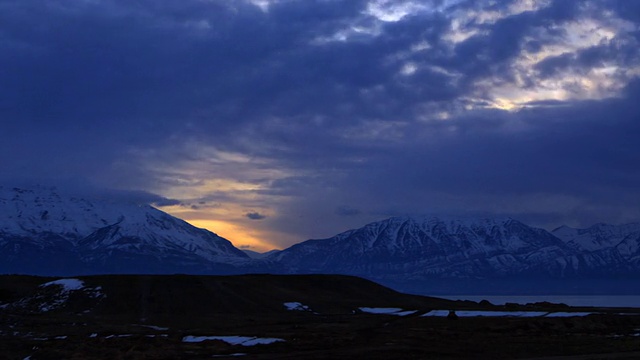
(271, 122)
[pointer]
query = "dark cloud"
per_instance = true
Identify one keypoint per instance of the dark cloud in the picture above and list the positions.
(134, 196)
(347, 211)
(167, 202)
(255, 216)
(311, 105)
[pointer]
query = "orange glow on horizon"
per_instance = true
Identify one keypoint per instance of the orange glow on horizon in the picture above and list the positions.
(239, 236)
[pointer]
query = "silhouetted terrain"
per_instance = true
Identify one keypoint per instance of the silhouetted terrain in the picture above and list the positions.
(285, 317)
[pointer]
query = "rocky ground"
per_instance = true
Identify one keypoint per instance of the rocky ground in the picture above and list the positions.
(288, 317)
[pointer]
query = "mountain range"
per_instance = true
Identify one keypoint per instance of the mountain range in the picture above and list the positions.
(44, 232)
(415, 248)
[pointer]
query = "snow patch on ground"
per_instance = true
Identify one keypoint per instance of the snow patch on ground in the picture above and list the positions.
(67, 284)
(618, 336)
(57, 300)
(387, 311)
(296, 306)
(233, 340)
(48, 300)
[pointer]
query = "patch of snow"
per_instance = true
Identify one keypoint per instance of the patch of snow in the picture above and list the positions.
(233, 340)
(95, 292)
(94, 335)
(51, 301)
(161, 335)
(617, 336)
(67, 284)
(60, 337)
(118, 336)
(387, 311)
(294, 305)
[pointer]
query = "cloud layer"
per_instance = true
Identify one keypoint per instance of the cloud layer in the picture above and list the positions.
(316, 116)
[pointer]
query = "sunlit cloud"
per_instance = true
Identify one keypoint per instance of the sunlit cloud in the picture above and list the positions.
(459, 33)
(409, 69)
(350, 33)
(217, 189)
(466, 23)
(263, 5)
(599, 81)
(420, 46)
(243, 236)
(393, 10)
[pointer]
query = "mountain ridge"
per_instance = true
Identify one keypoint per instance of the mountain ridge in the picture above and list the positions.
(43, 232)
(427, 247)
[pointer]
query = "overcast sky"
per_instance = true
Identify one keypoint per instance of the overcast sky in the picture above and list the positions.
(275, 121)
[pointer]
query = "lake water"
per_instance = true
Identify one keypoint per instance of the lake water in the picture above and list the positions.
(573, 300)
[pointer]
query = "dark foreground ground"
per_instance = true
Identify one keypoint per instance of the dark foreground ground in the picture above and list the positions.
(149, 317)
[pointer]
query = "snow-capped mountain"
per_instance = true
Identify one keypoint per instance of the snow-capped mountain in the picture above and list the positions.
(604, 240)
(43, 231)
(598, 236)
(408, 248)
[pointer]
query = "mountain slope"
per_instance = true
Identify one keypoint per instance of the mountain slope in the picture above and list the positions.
(417, 248)
(614, 248)
(45, 232)
(597, 237)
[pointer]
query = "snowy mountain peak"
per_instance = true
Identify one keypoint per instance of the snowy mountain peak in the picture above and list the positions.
(481, 234)
(42, 220)
(416, 247)
(598, 236)
(44, 209)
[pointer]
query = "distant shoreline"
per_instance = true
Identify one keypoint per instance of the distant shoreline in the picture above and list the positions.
(623, 301)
